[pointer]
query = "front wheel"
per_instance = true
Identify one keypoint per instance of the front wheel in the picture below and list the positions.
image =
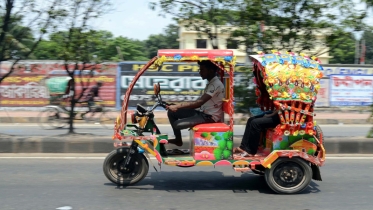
(289, 175)
(51, 118)
(113, 169)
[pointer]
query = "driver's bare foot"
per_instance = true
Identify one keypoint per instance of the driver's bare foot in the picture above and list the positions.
(178, 143)
(238, 150)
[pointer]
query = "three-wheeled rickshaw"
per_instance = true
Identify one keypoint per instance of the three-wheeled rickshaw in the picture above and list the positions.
(289, 155)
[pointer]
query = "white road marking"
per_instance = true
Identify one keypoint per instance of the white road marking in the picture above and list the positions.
(65, 208)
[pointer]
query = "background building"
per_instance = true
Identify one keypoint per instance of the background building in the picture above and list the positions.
(192, 39)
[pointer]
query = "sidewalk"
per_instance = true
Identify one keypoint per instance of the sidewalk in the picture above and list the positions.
(322, 117)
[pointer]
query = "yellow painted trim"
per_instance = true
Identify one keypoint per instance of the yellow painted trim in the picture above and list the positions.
(145, 147)
(205, 163)
(270, 159)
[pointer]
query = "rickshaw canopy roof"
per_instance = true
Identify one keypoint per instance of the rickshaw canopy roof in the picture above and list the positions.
(225, 57)
(57, 85)
(289, 76)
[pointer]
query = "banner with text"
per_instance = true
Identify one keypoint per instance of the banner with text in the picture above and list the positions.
(351, 90)
(331, 69)
(25, 86)
(178, 81)
(323, 94)
(30, 91)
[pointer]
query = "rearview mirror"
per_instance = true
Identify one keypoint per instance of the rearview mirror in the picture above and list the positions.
(157, 89)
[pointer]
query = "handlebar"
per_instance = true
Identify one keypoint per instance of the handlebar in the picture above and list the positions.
(159, 102)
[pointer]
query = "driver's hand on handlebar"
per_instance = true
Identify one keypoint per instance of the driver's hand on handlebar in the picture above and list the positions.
(173, 108)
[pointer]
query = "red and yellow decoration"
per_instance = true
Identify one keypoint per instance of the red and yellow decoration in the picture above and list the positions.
(289, 84)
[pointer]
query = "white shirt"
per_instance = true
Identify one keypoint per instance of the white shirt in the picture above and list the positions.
(214, 106)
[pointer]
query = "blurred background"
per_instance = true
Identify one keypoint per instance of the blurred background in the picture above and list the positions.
(54, 52)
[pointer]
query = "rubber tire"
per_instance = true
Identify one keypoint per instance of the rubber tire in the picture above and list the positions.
(307, 172)
(141, 159)
(42, 124)
(319, 134)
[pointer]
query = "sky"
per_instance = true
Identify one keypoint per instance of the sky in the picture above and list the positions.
(133, 19)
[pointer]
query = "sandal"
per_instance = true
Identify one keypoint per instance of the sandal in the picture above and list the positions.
(176, 142)
(245, 154)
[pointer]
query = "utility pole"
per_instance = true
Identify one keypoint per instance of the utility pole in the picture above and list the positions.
(357, 52)
(362, 54)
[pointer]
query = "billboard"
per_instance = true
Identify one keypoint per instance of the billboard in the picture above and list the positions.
(323, 93)
(30, 91)
(178, 81)
(25, 86)
(331, 69)
(351, 90)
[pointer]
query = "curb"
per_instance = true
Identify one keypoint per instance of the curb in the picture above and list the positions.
(104, 144)
(237, 121)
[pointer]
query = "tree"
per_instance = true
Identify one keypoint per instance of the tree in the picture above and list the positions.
(132, 50)
(78, 43)
(204, 16)
(168, 40)
(344, 53)
(103, 46)
(292, 24)
(16, 39)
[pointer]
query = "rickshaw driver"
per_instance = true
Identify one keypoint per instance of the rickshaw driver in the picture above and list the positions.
(185, 115)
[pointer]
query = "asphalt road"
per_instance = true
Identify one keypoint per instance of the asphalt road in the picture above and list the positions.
(80, 184)
(35, 130)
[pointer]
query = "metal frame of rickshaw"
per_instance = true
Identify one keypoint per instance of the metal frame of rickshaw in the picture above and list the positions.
(223, 59)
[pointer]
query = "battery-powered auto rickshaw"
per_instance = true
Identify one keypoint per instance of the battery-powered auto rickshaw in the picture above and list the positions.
(289, 155)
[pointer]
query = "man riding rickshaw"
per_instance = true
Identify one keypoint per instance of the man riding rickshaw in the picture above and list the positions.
(289, 152)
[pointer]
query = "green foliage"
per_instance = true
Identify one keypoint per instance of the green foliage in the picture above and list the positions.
(218, 138)
(214, 133)
(168, 40)
(18, 20)
(204, 16)
(286, 23)
(344, 47)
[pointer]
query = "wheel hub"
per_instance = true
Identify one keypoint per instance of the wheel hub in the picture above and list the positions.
(288, 175)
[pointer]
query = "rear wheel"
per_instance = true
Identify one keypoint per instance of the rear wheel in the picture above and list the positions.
(51, 118)
(319, 134)
(289, 175)
(114, 171)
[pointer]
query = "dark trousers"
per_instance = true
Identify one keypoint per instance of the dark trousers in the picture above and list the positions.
(254, 127)
(186, 118)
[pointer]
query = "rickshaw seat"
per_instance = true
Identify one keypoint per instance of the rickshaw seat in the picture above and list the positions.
(211, 127)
